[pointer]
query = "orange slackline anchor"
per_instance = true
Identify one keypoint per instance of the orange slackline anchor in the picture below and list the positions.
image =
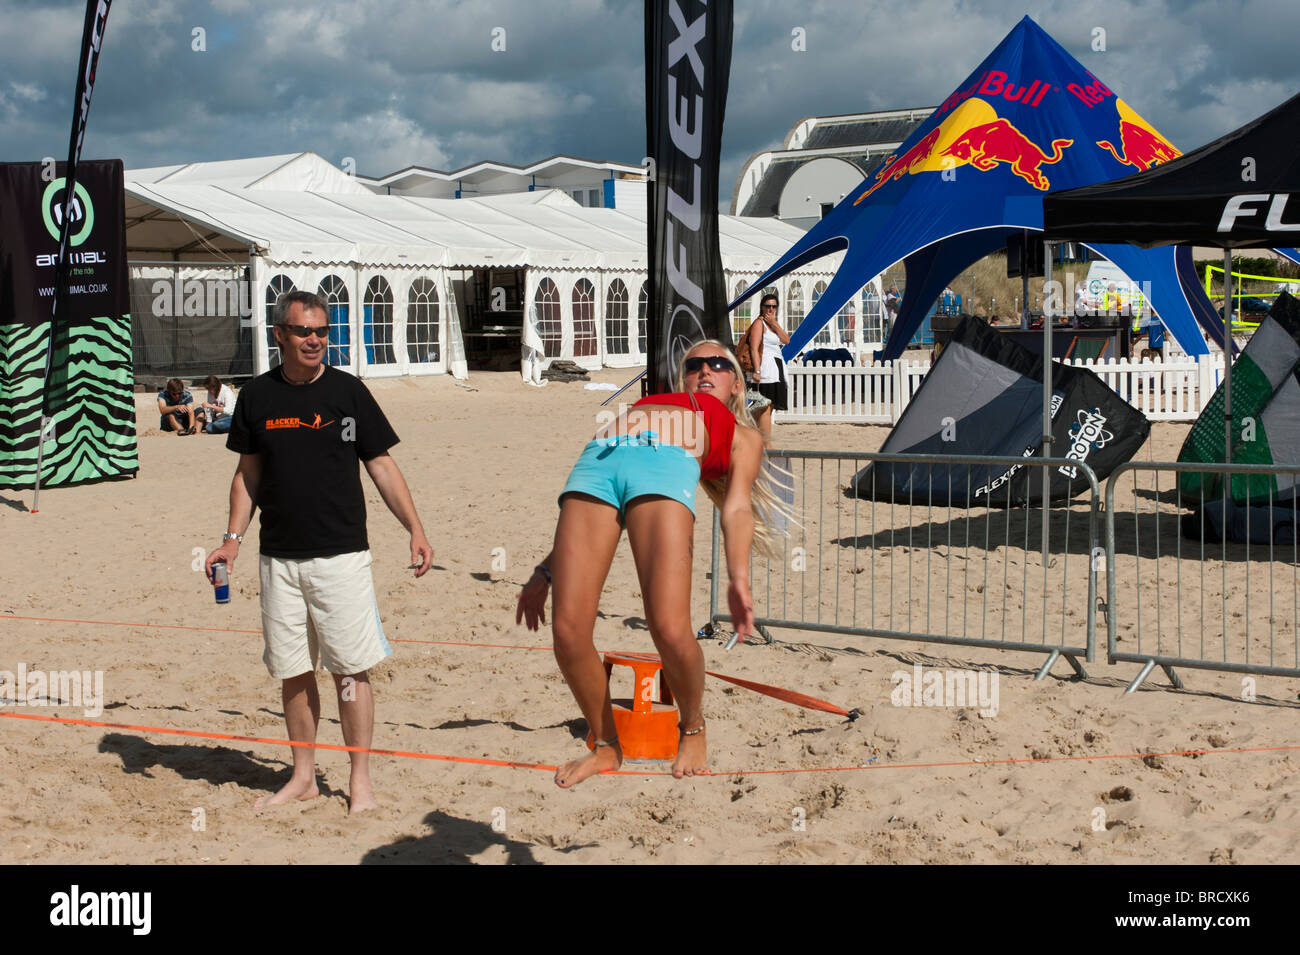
(647, 728)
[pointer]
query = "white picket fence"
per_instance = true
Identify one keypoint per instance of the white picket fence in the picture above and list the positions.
(1176, 390)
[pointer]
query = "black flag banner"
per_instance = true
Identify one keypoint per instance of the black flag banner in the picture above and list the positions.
(688, 62)
(92, 39)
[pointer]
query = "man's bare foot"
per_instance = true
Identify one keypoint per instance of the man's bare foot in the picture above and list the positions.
(599, 760)
(362, 797)
(691, 755)
(288, 793)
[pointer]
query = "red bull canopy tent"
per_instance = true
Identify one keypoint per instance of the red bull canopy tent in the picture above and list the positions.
(1030, 118)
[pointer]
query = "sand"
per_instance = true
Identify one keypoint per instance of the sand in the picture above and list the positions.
(902, 784)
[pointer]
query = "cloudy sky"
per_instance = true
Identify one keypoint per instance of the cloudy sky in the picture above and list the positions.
(393, 83)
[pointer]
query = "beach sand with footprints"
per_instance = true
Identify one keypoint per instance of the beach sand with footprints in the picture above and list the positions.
(1055, 775)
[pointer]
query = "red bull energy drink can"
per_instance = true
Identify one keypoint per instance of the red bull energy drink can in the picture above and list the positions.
(221, 582)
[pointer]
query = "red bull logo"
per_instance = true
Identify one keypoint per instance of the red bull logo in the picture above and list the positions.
(987, 145)
(973, 134)
(896, 166)
(1140, 145)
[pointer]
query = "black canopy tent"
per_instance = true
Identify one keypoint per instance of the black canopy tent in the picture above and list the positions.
(1231, 193)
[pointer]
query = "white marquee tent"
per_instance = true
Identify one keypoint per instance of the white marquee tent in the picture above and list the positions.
(410, 262)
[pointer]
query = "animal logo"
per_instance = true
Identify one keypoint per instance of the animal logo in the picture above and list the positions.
(987, 145)
(896, 166)
(1140, 145)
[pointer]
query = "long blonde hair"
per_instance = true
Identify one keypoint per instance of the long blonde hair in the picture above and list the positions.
(772, 515)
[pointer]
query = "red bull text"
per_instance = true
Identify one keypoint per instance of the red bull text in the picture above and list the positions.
(996, 83)
(1091, 95)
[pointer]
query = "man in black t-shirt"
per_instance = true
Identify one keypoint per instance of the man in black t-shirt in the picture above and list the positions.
(302, 430)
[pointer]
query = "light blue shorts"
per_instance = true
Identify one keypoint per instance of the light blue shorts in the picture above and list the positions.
(619, 469)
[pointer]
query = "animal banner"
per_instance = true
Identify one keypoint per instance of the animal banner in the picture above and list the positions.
(89, 396)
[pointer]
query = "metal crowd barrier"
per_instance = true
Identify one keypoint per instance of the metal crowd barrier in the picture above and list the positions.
(911, 569)
(1163, 613)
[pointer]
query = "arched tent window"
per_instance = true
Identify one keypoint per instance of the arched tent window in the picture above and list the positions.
(549, 326)
(377, 322)
(872, 314)
(584, 319)
(794, 312)
(845, 320)
(743, 314)
(335, 293)
(616, 342)
(823, 337)
(422, 321)
(279, 285)
(642, 307)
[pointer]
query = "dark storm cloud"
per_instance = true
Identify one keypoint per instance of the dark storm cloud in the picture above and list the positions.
(407, 82)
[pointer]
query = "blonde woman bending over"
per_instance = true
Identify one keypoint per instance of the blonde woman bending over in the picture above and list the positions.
(641, 472)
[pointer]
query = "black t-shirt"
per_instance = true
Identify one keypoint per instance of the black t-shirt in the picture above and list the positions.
(311, 439)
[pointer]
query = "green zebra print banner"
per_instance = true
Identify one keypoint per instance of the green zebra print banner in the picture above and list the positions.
(91, 380)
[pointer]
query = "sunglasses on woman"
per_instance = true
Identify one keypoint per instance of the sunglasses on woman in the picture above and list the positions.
(716, 362)
(305, 331)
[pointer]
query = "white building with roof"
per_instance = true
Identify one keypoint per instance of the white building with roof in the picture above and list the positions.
(417, 284)
(591, 183)
(822, 159)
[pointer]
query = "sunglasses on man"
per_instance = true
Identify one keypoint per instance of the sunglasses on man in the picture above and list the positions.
(305, 331)
(716, 362)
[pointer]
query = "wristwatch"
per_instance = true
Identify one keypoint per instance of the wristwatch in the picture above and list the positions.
(237, 538)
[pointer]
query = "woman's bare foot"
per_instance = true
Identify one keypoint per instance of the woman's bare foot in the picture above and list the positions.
(597, 761)
(691, 755)
(362, 796)
(290, 791)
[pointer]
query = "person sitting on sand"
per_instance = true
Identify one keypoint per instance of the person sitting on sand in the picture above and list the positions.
(214, 413)
(176, 407)
(635, 474)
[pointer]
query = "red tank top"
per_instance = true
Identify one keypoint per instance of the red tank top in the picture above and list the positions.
(718, 421)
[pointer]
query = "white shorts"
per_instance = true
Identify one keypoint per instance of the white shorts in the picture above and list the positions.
(320, 608)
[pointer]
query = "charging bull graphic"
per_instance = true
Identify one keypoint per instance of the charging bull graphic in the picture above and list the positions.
(895, 166)
(1140, 144)
(973, 134)
(986, 146)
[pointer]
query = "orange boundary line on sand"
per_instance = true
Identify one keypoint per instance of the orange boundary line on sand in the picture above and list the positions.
(539, 766)
(624, 772)
(788, 696)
